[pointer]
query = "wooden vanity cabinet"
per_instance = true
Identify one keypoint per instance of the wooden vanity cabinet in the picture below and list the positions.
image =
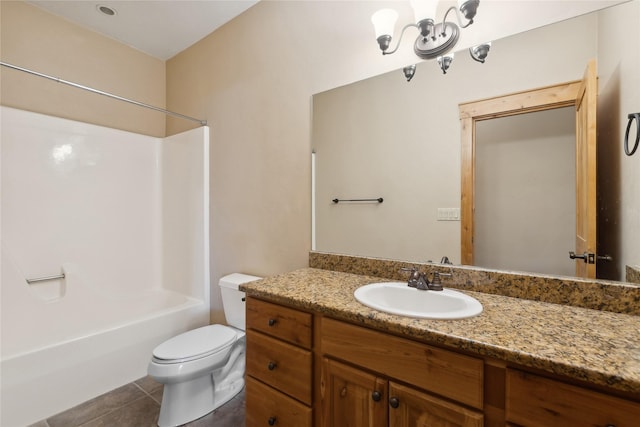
(358, 377)
(279, 366)
(352, 397)
(372, 379)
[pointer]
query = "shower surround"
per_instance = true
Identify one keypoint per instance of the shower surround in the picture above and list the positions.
(124, 217)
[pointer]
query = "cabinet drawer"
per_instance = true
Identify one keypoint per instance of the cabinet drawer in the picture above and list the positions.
(281, 365)
(532, 400)
(266, 406)
(281, 322)
(443, 372)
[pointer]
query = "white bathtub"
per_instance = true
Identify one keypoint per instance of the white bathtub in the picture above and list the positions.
(57, 360)
(125, 218)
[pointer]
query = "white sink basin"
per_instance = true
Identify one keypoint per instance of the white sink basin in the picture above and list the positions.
(398, 298)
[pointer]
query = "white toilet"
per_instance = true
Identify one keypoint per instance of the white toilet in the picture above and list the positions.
(203, 369)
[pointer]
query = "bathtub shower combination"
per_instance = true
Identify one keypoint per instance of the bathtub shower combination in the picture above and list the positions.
(117, 225)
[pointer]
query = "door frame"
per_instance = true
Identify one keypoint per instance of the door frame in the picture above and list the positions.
(529, 101)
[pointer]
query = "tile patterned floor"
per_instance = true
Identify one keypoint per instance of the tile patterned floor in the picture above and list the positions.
(138, 405)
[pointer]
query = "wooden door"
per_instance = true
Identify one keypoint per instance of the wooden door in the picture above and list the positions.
(583, 95)
(351, 397)
(586, 104)
(409, 407)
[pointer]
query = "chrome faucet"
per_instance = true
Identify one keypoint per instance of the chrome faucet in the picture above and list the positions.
(420, 281)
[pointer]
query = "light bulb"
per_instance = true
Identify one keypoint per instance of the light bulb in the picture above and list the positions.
(384, 22)
(424, 9)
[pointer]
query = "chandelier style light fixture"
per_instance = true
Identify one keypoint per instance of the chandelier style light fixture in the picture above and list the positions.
(436, 39)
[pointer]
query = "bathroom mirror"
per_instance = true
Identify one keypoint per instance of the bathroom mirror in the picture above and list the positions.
(387, 138)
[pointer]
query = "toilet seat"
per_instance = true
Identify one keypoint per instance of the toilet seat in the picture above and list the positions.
(195, 344)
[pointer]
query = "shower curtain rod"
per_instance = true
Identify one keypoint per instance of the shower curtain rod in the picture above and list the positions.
(99, 92)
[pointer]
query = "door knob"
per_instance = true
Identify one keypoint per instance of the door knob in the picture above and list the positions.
(573, 255)
(590, 258)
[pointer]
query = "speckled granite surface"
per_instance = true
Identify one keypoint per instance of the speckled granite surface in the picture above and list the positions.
(599, 347)
(633, 274)
(595, 294)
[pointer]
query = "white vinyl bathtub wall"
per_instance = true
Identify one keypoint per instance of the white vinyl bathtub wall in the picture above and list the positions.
(125, 217)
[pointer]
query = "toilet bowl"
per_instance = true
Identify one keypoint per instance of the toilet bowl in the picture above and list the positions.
(203, 369)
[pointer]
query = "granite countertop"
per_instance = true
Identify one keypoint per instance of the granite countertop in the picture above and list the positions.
(598, 347)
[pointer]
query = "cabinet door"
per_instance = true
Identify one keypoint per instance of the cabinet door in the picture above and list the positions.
(532, 400)
(409, 407)
(352, 398)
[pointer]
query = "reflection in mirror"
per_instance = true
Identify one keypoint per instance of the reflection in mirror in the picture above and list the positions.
(384, 137)
(525, 168)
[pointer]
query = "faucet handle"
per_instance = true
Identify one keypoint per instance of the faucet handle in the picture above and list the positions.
(414, 276)
(436, 283)
(437, 275)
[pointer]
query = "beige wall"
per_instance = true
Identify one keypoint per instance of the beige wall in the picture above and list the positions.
(34, 39)
(252, 80)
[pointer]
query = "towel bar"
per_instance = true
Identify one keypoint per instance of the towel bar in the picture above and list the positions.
(43, 279)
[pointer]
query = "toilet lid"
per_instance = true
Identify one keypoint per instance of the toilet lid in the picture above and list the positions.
(196, 343)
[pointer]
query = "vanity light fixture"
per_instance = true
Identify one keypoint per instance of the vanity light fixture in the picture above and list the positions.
(435, 38)
(409, 71)
(444, 62)
(479, 53)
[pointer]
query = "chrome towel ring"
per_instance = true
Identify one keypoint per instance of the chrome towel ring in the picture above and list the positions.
(632, 117)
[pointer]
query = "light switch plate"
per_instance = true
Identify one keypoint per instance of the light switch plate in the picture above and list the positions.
(448, 214)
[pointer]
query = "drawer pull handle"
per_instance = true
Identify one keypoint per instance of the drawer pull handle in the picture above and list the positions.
(376, 396)
(272, 322)
(271, 421)
(271, 366)
(394, 402)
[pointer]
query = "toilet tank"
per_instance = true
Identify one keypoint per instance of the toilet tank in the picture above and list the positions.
(233, 299)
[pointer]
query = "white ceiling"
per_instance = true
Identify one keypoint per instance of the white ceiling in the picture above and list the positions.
(159, 28)
(163, 28)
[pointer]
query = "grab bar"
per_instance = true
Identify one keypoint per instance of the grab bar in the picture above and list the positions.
(43, 279)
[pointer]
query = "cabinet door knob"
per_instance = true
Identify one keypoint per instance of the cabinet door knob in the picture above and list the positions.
(271, 421)
(376, 396)
(394, 402)
(271, 366)
(272, 322)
